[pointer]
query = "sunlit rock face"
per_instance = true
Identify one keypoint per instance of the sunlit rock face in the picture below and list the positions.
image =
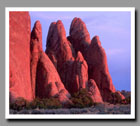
(36, 49)
(19, 60)
(94, 55)
(98, 68)
(46, 82)
(79, 36)
(67, 65)
(94, 91)
(71, 67)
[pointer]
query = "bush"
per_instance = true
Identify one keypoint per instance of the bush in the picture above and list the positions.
(126, 100)
(81, 99)
(115, 99)
(51, 103)
(19, 104)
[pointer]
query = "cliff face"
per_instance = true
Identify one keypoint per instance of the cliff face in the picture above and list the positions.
(67, 65)
(19, 45)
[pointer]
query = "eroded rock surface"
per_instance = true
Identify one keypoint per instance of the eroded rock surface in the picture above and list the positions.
(19, 45)
(71, 68)
(79, 35)
(94, 91)
(46, 82)
(36, 49)
(98, 68)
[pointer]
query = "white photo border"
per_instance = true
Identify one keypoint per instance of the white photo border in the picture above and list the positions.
(70, 116)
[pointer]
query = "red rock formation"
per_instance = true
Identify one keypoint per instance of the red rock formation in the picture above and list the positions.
(98, 68)
(73, 72)
(46, 82)
(94, 55)
(79, 36)
(79, 76)
(58, 46)
(63, 55)
(36, 49)
(19, 43)
(94, 91)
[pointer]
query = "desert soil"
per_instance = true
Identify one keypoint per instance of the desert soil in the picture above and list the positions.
(98, 109)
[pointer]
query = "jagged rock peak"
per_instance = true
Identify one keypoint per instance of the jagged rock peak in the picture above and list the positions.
(96, 41)
(37, 31)
(56, 32)
(98, 68)
(79, 30)
(57, 43)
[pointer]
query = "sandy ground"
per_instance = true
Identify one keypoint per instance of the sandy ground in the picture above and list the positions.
(98, 109)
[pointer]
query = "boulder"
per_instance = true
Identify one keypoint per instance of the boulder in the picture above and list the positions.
(19, 47)
(98, 68)
(94, 91)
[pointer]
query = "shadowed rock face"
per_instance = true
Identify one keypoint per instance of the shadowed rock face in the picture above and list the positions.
(79, 36)
(94, 91)
(98, 68)
(73, 72)
(46, 82)
(19, 44)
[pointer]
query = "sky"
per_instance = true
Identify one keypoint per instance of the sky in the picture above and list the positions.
(114, 31)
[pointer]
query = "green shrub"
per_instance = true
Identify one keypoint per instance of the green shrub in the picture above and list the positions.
(81, 99)
(116, 99)
(19, 104)
(127, 100)
(51, 103)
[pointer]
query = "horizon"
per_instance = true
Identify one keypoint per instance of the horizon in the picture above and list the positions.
(114, 31)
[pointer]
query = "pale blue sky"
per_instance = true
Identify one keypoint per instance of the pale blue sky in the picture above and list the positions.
(114, 30)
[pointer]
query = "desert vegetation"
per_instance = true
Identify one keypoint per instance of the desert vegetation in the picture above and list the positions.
(80, 99)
